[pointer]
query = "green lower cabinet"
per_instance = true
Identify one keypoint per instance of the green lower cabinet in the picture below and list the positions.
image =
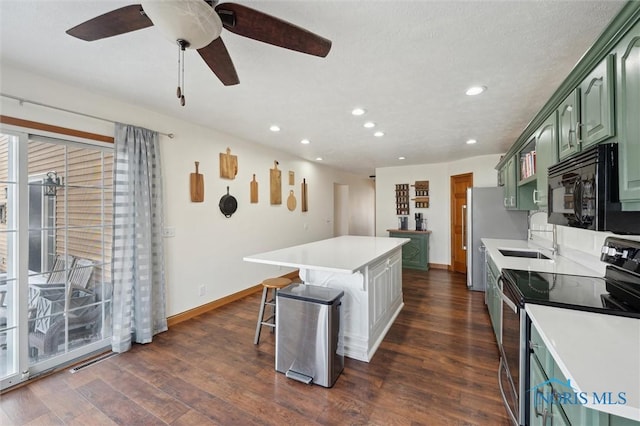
(552, 401)
(543, 410)
(415, 254)
(492, 297)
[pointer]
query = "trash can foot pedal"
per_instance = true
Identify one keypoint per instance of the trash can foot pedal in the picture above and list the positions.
(299, 377)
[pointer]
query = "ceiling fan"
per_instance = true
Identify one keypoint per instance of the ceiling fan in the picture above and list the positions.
(197, 24)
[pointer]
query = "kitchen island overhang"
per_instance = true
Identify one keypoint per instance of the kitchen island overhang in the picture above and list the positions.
(367, 269)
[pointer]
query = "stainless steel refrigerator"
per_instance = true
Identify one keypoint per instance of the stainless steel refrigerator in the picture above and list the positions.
(488, 218)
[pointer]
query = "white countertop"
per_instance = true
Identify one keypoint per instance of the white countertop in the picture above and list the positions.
(345, 254)
(557, 264)
(597, 352)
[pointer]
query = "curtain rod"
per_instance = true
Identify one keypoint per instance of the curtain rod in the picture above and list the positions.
(23, 101)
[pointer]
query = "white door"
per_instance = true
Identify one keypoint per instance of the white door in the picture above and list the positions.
(55, 246)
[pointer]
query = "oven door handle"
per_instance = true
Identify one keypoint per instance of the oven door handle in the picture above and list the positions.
(504, 396)
(505, 299)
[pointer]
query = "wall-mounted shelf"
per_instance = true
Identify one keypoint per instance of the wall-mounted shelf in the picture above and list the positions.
(422, 194)
(402, 199)
(421, 202)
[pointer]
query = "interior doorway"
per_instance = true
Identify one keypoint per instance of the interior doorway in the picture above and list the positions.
(459, 185)
(340, 209)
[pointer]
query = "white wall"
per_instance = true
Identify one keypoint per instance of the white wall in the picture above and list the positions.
(438, 214)
(580, 245)
(207, 249)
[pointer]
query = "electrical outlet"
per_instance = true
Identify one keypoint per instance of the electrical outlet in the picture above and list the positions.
(202, 290)
(168, 231)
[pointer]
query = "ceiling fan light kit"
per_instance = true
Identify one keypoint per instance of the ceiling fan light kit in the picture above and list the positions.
(197, 24)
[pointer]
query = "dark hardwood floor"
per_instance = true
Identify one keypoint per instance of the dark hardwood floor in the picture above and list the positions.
(437, 365)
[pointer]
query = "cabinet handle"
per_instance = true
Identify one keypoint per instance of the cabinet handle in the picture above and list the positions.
(545, 415)
(505, 201)
(464, 226)
(579, 127)
(535, 403)
(535, 197)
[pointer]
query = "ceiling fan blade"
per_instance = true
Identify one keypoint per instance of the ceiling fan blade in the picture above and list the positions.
(119, 21)
(259, 26)
(218, 59)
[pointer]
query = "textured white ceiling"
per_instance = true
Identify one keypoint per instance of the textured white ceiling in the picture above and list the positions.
(408, 63)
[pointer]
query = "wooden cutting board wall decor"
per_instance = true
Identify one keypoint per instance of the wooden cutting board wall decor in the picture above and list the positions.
(304, 196)
(275, 184)
(228, 165)
(253, 195)
(196, 183)
(291, 201)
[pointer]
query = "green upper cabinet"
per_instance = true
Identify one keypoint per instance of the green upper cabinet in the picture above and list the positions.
(628, 106)
(546, 155)
(568, 117)
(586, 117)
(518, 193)
(510, 181)
(596, 107)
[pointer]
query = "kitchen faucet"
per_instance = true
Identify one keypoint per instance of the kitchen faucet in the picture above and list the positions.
(554, 230)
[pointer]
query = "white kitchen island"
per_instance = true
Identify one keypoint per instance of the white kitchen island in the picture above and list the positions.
(368, 269)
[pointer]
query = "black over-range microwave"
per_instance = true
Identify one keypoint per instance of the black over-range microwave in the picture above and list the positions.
(583, 193)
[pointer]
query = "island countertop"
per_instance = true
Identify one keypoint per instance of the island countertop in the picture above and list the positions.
(345, 254)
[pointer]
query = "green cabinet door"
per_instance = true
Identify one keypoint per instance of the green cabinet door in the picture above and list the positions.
(568, 115)
(510, 183)
(538, 395)
(628, 106)
(546, 155)
(494, 304)
(415, 254)
(596, 106)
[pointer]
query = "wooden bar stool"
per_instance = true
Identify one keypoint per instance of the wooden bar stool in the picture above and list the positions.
(274, 284)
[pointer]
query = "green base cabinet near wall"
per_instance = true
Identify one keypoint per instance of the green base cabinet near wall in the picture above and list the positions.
(415, 254)
(546, 403)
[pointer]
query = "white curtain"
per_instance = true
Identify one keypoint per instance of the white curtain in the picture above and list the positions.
(137, 258)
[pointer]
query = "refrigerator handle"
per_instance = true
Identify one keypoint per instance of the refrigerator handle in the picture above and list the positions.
(464, 226)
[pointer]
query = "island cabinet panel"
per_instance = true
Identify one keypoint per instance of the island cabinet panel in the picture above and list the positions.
(385, 295)
(628, 108)
(373, 300)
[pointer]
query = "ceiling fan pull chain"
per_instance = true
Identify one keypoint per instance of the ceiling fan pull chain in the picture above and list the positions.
(182, 82)
(179, 91)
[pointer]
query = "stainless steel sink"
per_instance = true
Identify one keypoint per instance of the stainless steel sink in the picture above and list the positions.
(531, 254)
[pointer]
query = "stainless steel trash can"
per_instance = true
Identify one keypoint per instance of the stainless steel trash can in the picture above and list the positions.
(309, 344)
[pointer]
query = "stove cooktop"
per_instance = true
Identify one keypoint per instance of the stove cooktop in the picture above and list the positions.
(565, 291)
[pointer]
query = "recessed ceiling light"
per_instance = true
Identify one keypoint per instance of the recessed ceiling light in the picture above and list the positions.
(378, 134)
(274, 128)
(475, 90)
(358, 111)
(318, 158)
(471, 141)
(401, 158)
(305, 141)
(369, 124)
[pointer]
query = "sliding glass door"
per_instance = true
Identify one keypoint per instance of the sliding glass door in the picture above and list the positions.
(55, 246)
